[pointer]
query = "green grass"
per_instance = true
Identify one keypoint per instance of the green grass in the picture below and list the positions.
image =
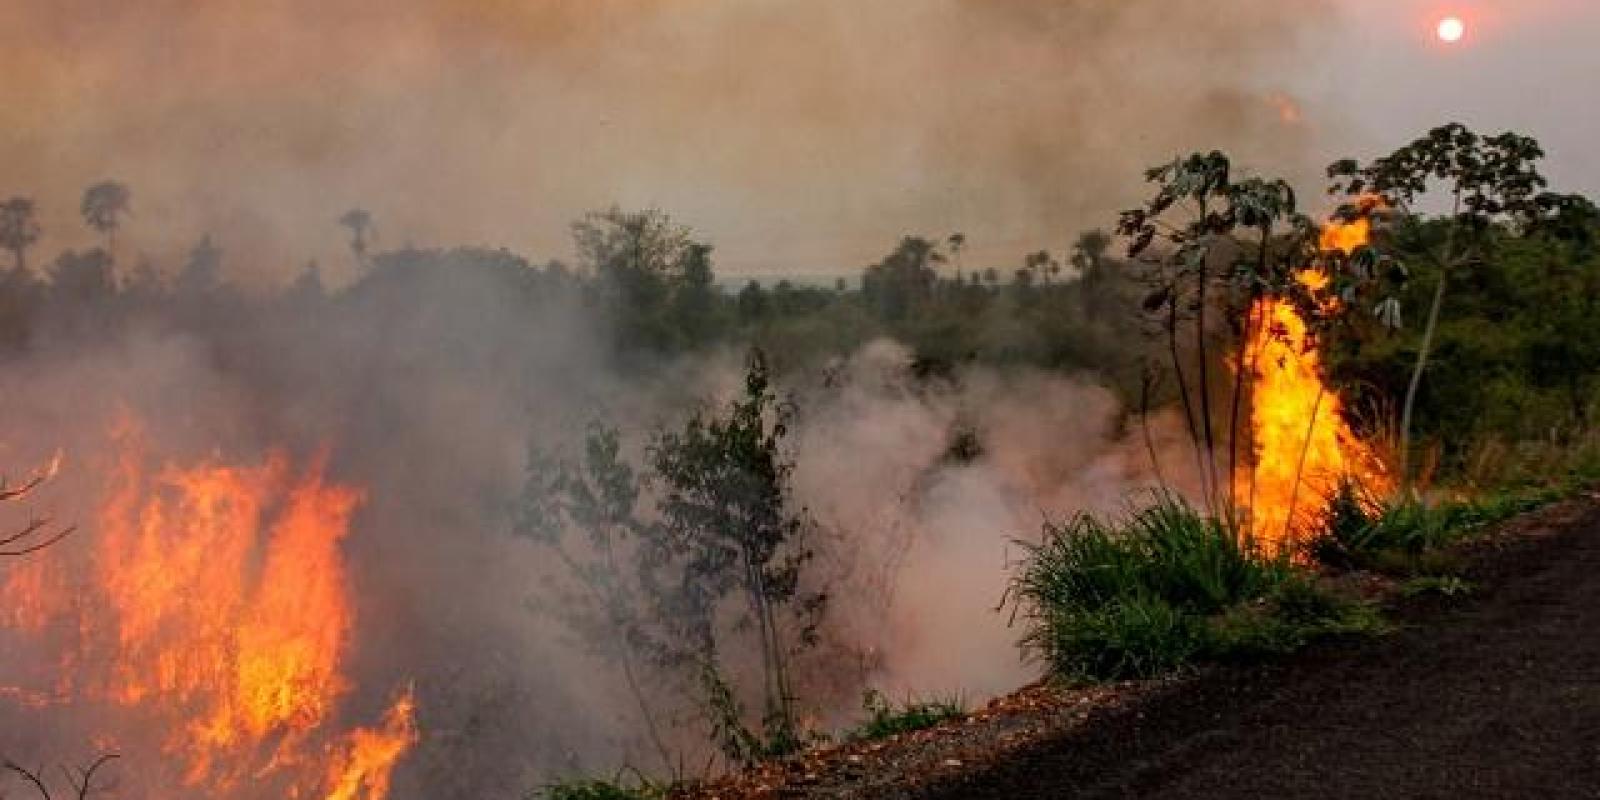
(1164, 587)
(884, 719)
(592, 789)
(1410, 537)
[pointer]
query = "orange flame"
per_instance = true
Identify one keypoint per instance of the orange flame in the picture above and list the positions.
(1302, 445)
(216, 620)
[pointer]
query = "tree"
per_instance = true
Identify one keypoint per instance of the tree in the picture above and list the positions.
(308, 287)
(1043, 266)
(904, 280)
(728, 519)
(1225, 244)
(359, 222)
(202, 271)
(671, 588)
(1088, 254)
(1492, 184)
(640, 261)
(19, 229)
(752, 302)
(104, 205)
(83, 277)
(598, 499)
(957, 242)
(694, 303)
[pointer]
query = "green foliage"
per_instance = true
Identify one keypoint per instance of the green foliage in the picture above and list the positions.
(592, 789)
(1495, 193)
(19, 229)
(104, 205)
(1161, 588)
(714, 561)
(1132, 636)
(651, 279)
(884, 719)
(728, 525)
(906, 279)
(1409, 536)
(1296, 613)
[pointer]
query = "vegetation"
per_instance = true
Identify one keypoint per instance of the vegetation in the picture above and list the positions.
(716, 565)
(683, 560)
(1161, 588)
(1407, 536)
(590, 789)
(1211, 247)
(1494, 190)
(884, 719)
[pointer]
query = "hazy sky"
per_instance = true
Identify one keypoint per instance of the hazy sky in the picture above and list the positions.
(797, 135)
(1526, 65)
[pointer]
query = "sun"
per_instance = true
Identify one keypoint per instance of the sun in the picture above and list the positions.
(1451, 29)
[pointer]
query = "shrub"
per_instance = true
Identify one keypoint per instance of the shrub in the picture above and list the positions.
(1160, 588)
(885, 720)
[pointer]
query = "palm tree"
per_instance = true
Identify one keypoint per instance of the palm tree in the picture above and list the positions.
(104, 204)
(359, 221)
(19, 229)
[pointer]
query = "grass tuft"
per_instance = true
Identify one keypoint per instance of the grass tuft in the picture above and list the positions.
(1161, 588)
(1409, 537)
(884, 719)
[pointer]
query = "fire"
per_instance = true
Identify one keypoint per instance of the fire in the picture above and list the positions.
(213, 621)
(372, 754)
(1302, 444)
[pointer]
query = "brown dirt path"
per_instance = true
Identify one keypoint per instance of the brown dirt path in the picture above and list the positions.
(1495, 696)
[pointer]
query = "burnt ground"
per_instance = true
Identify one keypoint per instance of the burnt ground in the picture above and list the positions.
(1492, 695)
(1497, 695)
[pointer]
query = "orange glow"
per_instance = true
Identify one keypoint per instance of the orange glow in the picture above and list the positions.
(1301, 443)
(363, 770)
(213, 620)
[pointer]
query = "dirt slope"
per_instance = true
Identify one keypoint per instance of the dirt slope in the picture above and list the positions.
(1494, 696)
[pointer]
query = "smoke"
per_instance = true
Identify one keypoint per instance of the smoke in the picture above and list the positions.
(927, 487)
(798, 136)
(424, 383)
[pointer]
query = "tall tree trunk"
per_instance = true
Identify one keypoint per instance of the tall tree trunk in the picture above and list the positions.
(1447, 262)
(1183, 383)
(1202, 349)
(1416, 377)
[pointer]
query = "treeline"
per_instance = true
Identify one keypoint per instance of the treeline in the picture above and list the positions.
(1515, 357)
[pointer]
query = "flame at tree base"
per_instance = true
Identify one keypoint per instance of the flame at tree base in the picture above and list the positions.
(212, 620)
(1301, 444)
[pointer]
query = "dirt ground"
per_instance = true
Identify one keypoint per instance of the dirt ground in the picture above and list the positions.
(1496, 695)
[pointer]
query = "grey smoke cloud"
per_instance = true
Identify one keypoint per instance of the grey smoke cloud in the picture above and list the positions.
(797, 136)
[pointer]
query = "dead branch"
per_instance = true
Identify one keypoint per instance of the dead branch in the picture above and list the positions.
(83, 784)
(81, 780)
(39, 533)
(31, 777)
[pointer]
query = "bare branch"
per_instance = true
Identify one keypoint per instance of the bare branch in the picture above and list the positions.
(29, 776)
(84, 785)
